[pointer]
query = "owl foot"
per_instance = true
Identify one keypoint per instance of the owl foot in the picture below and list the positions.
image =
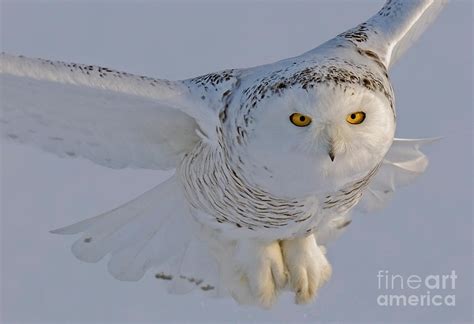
(258, 273)
(307, 265)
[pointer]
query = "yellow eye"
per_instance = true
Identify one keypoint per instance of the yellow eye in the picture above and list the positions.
(355, 118)
(300, 120)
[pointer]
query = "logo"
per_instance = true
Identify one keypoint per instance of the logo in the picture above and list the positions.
(416, 290)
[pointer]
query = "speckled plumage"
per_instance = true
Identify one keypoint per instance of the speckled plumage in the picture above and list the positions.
(212, 174)
(254, 197)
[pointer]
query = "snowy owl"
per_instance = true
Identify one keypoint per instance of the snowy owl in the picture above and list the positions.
(270, 160)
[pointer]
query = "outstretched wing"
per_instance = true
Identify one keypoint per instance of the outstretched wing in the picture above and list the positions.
(154, 230)
(395, 27)
(111, 118)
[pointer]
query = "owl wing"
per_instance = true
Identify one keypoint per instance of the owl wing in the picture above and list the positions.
(156, 230)
(112, 118)
(391, 31)
(402, 164)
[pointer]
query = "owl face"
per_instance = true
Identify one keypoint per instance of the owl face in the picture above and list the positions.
(305, 142)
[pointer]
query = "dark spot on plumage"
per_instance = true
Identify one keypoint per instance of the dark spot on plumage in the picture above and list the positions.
(371, 54)
(213, 79)
(163, 276)
(223, 115)
(345, 224)
(374, 57)
(12, 136)
(241, 132)
(71, 154)
(357, 34)
(207, 287)
(367, 83)
(88, 240)
(386, 9)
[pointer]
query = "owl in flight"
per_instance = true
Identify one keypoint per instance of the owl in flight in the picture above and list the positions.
(269, 161)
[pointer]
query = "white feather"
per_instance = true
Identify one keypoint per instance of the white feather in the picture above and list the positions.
(403, 163)
(111, 118)
(397, 26)
(155, 230)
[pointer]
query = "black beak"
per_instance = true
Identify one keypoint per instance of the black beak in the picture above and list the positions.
(331, 155)
(331, 152)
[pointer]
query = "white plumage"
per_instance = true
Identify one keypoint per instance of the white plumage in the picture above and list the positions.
(270, 160)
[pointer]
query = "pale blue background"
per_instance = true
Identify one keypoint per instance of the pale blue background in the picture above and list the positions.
(427, 229)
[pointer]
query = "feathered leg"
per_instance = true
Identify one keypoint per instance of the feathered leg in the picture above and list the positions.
(307, 265)
(254, 273)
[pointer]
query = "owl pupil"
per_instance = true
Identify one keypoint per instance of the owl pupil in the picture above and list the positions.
(302, 118)
(353, 116)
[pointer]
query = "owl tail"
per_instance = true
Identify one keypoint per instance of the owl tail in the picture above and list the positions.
(154, 230)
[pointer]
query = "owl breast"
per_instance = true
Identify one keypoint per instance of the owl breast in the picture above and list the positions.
(224, 200)
(213, 186)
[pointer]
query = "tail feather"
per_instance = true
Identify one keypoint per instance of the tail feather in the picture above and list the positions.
(195, 269)
(143, 233)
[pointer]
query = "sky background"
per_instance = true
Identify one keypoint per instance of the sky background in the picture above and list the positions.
(426, 229)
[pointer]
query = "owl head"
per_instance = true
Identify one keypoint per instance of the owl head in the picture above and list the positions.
(319, 128)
